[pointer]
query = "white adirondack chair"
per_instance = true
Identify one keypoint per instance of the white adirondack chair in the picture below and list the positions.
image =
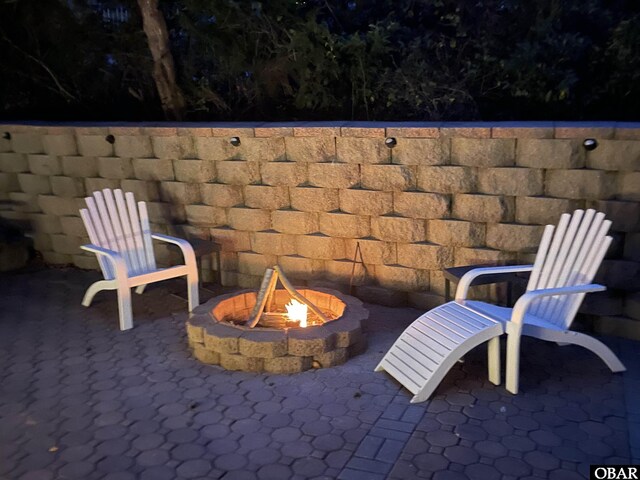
(122, 240)
(567, 260)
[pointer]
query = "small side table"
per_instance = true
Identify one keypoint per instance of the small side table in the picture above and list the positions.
(206, 247)
(454, 275)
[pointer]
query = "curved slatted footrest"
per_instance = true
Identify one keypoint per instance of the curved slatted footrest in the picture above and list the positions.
(428, 348)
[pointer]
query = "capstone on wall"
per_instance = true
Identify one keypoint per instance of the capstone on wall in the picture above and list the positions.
(303, 195)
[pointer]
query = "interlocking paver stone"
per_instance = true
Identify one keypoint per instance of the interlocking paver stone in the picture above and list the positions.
(441, 438)
(231, 461)
(37, 475)
(479, 471)
(152, 457)
(76, 469)
(368, 465)
(76, 453)
(274, 472)
(158, 473)
(255, 440)
(512, 466)
(390, 451)
(215, 431)
(351, 474)
(221, 446)
(369, 446)
(115, 463)
(187, 451)
(135, 404)
(193, 468)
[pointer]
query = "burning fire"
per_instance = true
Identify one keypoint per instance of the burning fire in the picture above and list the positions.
(297, 312)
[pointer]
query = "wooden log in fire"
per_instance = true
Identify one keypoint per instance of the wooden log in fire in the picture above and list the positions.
(294, 294)
(266, 296)
(268, 285)
(273, 320)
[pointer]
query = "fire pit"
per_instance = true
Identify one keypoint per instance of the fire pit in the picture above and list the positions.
(219, 331)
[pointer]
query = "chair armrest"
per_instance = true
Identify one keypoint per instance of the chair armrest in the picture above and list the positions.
(184, 245)
(468, 278)
(521, 306)
(119, 265)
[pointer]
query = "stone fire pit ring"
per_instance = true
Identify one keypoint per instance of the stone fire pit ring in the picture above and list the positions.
(216, 341)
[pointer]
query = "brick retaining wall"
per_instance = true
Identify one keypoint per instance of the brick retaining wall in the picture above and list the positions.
(302, 195)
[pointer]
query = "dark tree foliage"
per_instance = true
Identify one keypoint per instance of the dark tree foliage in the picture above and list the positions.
(59, 60)
(328, 59)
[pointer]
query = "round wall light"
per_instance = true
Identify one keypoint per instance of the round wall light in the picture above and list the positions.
(590, 144)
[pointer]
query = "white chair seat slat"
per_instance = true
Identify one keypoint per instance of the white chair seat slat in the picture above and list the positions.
(436, 333)
(420, 369)
(411, 379)
(425, 356)
(414, 358)
(428, 343)
(468, 321)
(503, 314)
(452, 327)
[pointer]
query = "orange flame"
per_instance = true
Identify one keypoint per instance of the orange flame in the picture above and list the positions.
(297, 312)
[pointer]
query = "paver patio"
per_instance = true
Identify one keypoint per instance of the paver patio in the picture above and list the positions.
(80, 399)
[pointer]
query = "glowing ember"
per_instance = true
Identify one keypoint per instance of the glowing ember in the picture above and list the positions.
(297, 312)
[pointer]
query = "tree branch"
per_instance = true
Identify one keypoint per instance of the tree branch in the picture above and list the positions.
(61, 90)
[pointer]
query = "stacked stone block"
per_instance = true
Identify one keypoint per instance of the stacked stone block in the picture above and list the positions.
(305, 195)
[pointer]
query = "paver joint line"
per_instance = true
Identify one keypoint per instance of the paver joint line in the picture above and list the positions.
(139, 406)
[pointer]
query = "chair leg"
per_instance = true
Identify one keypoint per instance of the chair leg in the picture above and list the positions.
(140, 289)
(192, 291)
(493, 361)
(124, 307)
(597, 347)
(513, 362)
(95, 288)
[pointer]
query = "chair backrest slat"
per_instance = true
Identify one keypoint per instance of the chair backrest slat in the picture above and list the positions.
(127, 232)
(566, 276)
(114, 221)
(569, 239)
(571, 257)
(146, 234)
(96, 221)
(552, 253)
(117, 227)
(573, 304)
(106, 221)
(136, 231)
(105, 266)
(577, 246)
(597, 231)
(545, 243)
